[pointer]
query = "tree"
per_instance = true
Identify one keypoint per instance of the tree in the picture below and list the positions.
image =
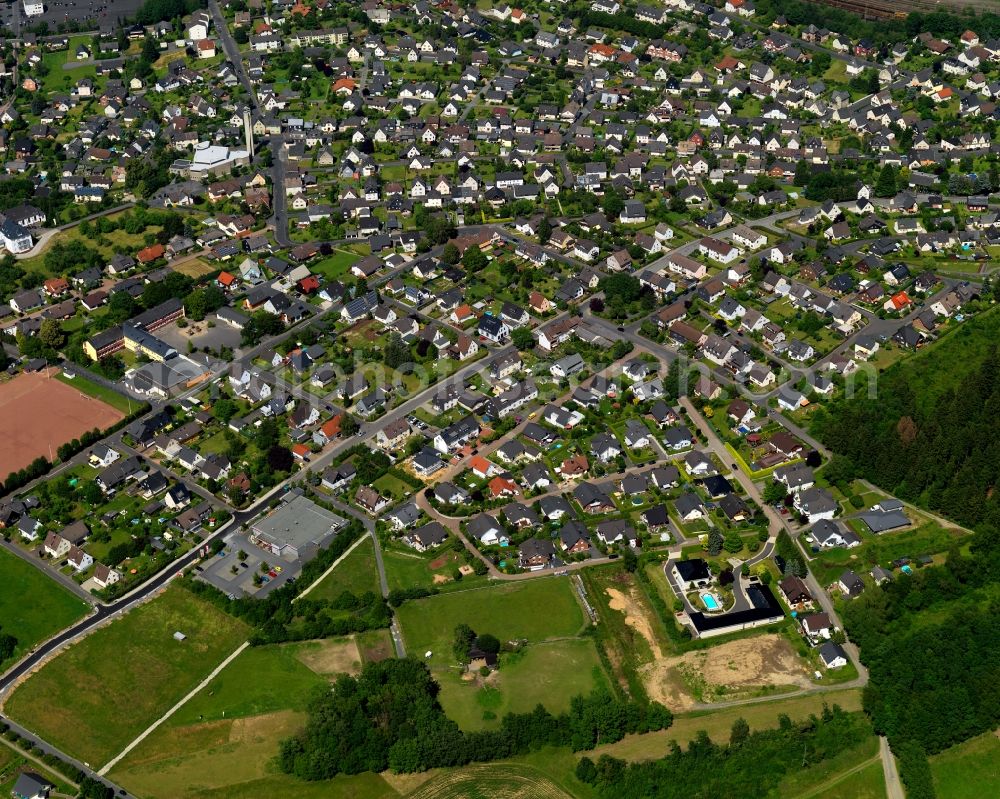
(462, 646)
(51, 334)
(739, 733)
(224, 409)
(150, 50)
(885, 186)
(450, 254)
(474, 260)
(349, 425)
(732, 542)
(488, 643)
(522, 338)
(279, 458)
(715, 542)
(629, 560)
(596, 305)
(396, 352)
(544, 230)
(774, 492)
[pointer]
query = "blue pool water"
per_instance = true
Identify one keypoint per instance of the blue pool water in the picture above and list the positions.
(709, 601)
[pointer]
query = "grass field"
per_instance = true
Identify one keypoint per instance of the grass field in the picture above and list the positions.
(355, 573)
(970, 770)
(537, 610)
(719, 723)
(96, 390)
(98, 695)
(33, 606)
(856, 773)
(550, 674)
(222, 743)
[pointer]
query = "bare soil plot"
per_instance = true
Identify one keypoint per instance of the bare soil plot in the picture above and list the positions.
(747, 666)
(38, 414)
(325, 657)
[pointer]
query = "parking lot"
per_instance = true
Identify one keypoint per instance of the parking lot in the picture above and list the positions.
(218, 570)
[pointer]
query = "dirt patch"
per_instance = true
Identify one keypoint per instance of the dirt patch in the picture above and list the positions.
(732, 670)
(438, 563)
(331, 657)
(38, 414)
(634, 618)
(376, 652)
(441, 578)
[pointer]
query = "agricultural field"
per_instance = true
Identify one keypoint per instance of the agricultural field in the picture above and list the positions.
(99, 694)
(50, 609)
(969, 770)
(222, 743)
(494, 781)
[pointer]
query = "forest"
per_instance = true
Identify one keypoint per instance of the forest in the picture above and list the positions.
(931, 433)
(389, 716)
(750, 764)
(932, 436)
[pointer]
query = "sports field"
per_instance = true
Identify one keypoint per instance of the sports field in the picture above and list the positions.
(38, 414)
(95, 697)
(50, 609)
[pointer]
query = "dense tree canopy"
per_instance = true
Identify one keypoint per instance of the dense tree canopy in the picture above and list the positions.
(389, 717)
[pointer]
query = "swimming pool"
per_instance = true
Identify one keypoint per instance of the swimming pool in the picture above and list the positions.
(906, 569)
(711, 603)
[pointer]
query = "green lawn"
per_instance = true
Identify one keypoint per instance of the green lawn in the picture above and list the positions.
(103, 393)
(336, 266)
(970, 770)
(550, 674)
(883, 549)
(33, 606)
(537, 610)
(355, 573)
(390, 485)
(98, 695)
(408, 569)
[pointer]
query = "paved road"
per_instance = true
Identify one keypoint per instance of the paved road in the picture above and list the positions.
(777, 523)
(231, 49)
